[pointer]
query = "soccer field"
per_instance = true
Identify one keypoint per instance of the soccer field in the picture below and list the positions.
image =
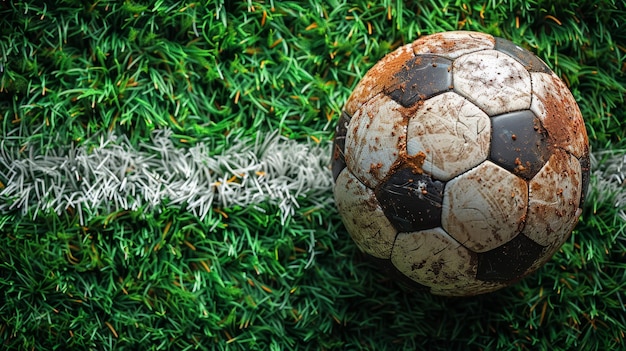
(165, 179)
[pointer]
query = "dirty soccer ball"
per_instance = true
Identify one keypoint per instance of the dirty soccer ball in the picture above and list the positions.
(461, 162)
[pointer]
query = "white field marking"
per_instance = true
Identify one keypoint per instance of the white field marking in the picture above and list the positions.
(117, 176)
(608, 178)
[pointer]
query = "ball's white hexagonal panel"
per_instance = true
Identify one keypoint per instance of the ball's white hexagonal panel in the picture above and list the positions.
(492, 80)
(553, 200)
(555, 106)
(453, 44)
(361, 214)
(452, 132)
(551, 250)
(432, 258)
(485, 207)
(376, 137)
(378, 78)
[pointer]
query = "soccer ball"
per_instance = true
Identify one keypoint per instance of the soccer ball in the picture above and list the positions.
(460, 161)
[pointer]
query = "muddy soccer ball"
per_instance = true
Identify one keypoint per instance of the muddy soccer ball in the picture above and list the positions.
(460, 162)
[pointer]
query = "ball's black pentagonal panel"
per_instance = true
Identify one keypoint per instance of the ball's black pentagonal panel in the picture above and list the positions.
(411, 201)
(519, 143)
(508, 261)
(420, 78)
(523, 56)
(339, 145)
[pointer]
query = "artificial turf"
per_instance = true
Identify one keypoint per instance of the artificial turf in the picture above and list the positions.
(266, 274)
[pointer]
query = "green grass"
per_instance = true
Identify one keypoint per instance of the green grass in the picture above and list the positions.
(240, 278)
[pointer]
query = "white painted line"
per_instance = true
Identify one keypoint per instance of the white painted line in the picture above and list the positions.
(119, 176)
